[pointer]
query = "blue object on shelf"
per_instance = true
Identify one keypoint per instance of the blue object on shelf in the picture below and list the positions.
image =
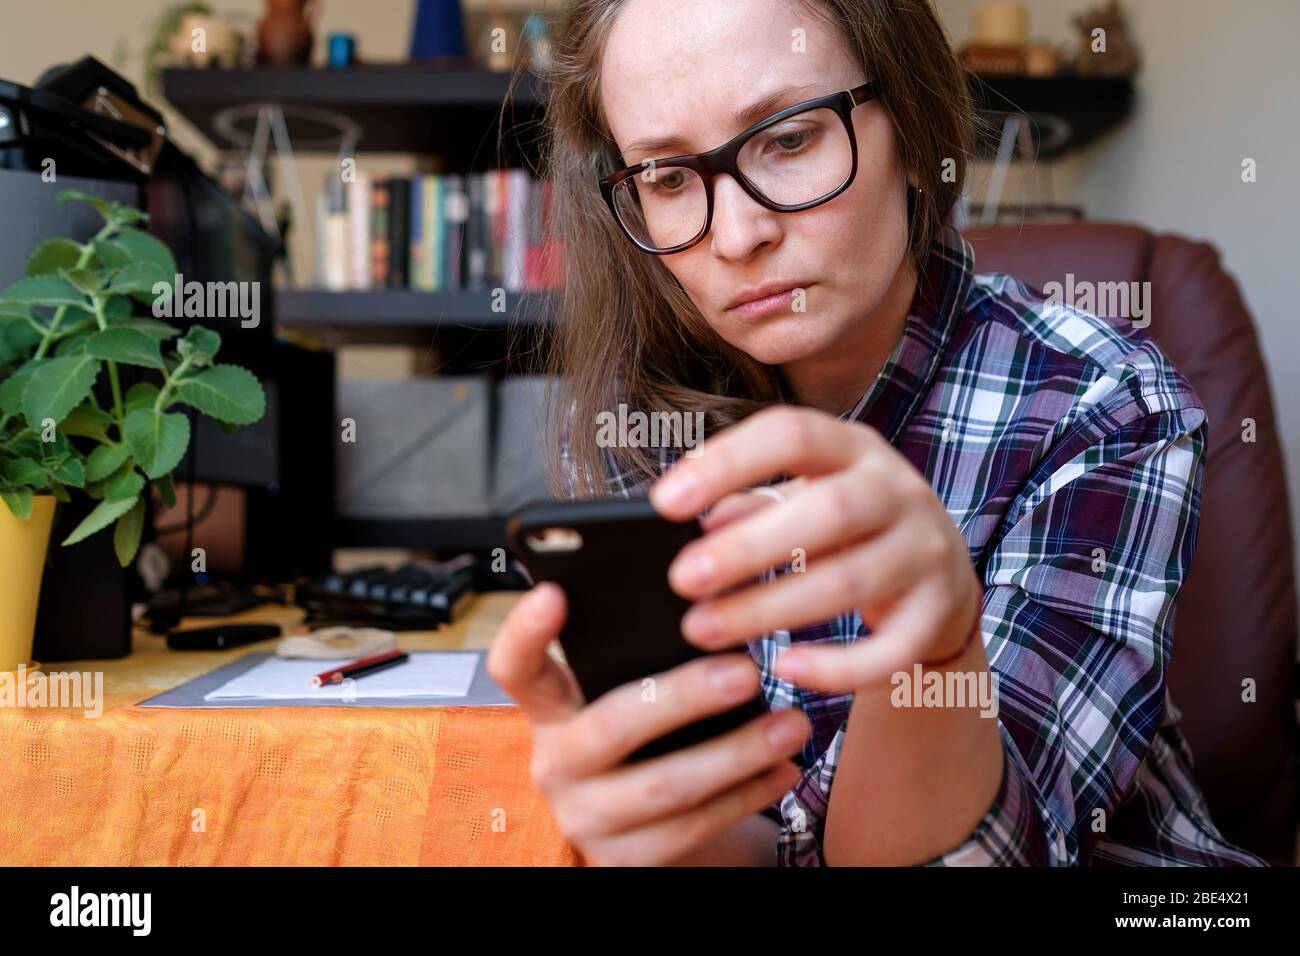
(439, 30)
(343, 51)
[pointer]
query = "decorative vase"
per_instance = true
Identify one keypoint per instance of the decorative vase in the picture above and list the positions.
(22, 562)
(284, 35)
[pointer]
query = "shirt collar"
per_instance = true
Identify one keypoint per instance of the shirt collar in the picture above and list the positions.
(905, 378)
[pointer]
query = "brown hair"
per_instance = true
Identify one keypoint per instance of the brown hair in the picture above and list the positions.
(626, 331)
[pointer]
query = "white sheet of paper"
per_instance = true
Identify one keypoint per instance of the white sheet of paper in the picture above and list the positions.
(425, 674)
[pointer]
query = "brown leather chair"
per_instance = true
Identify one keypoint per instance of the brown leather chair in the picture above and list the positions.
(1236, 616)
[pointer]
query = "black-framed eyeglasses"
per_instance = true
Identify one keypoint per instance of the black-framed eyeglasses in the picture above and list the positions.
(797, 158)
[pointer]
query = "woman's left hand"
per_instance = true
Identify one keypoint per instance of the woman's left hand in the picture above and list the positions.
(873, 534)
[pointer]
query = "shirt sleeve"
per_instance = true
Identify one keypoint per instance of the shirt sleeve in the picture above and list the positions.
(1077, 623)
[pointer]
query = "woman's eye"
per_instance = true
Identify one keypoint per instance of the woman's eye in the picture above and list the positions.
(792, 141)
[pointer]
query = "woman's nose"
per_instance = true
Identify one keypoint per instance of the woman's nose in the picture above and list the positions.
(740, 225)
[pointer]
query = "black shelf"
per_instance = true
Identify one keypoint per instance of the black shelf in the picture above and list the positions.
(400, 107)
(1069, 111)
(454, 111)
(396, 308)
(452, 534)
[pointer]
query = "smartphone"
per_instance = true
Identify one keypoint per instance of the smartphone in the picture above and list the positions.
(611, 559)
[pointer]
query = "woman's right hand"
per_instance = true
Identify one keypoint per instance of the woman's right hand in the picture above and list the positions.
(658, 810)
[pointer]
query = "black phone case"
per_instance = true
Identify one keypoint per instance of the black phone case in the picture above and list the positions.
(624, 621)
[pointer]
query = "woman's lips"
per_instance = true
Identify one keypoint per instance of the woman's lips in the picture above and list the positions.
(768, 305)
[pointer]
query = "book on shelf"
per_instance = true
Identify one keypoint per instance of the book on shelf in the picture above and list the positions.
(438, 232)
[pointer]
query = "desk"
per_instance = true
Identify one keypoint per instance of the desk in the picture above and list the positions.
(282, 786)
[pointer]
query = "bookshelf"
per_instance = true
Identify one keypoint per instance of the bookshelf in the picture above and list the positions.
(454, 111)
(402, 308)
(402, 108)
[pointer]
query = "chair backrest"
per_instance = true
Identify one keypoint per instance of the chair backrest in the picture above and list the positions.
(1236, 620)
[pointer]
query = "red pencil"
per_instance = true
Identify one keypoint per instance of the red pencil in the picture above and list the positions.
(357, 668)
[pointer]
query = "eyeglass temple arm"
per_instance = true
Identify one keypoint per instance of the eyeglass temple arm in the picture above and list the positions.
(866, 91)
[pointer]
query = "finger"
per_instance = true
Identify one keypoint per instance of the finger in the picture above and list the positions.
(776, 441)
(897, 642)
(672, 784)
(669, 840)
(518, 659)
(619, 722)
(834, 511)
(835, 583)
(740, 503)
(732, 508)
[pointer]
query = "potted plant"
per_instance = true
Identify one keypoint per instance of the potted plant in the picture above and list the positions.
(68, 325)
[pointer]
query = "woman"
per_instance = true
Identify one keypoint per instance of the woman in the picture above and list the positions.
(966, 481)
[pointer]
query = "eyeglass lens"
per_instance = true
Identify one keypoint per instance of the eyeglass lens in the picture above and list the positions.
(799, 160)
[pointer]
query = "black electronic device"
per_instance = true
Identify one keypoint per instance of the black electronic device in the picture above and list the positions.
(611, 559)
(220, 637)
(412, 598)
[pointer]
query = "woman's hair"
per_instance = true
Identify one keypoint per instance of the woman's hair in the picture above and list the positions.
(626, 331)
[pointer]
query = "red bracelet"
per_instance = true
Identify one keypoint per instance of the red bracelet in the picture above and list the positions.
(965, 646)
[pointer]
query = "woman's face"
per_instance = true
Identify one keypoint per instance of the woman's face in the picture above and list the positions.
(678, 70)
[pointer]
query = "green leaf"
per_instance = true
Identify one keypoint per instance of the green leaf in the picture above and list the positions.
(72, 345)
(227, 393)
(44, 290)
(139, 277)
(86, 421)
(139, 395)
(19, 502)
(53, 452)
(157, 441)
(11, 389)
(26, 445)
(52, 255)
(14, 310)
(17, 341)
(142, 247)
(128, 214)
(105, 513)
(166, 490)
(126, 533)
(152, 327)
(126, 483)
(105, 460)
(59, 386)
(117, 308)
(130, 346)
(86, 281)
(199, 343)
(24, 471)
(112, 255)
(60, 493)
(70, 472)
(72, 195)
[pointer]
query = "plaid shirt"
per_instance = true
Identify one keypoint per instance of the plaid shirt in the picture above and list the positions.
(1071, 457)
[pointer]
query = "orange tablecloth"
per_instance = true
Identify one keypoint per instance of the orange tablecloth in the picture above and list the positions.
(271, 786)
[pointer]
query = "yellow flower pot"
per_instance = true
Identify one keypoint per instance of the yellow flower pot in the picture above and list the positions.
(22, 561)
